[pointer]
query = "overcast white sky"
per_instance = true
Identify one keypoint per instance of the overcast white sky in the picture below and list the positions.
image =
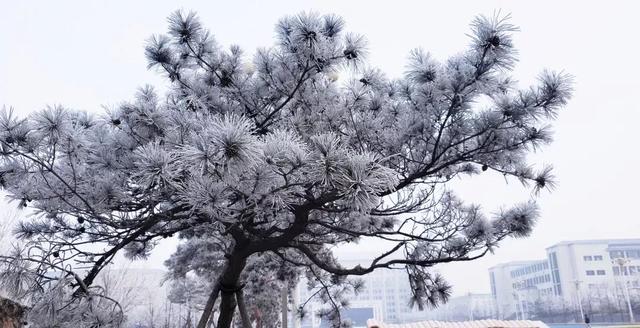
(85, 54)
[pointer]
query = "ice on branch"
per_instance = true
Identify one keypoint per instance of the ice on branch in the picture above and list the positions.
(262, 164)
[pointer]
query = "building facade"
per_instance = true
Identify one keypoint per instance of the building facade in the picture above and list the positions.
(386, 295)
(507, 280)
(574, 272)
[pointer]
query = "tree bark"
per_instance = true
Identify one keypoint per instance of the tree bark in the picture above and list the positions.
(242, 308)
(237, 260)
(227, 309)
(226, 285)
(228, 288)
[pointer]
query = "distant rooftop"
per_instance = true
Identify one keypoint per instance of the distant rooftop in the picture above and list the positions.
(515, 263)
(462, 324)
(596, 241)
(612, 244)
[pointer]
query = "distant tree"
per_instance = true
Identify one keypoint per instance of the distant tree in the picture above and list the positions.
(548, 309)
(261, 167)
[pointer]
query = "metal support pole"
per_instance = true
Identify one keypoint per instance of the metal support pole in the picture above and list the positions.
(285, 307)
(577, 282)
(625, 289)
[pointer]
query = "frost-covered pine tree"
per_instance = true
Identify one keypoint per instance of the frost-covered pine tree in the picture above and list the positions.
(262, 164)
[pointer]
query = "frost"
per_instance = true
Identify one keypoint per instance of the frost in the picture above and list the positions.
(262, 165)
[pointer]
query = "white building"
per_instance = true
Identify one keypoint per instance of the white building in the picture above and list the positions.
(386, 296)
(510, 280)
(572, 271)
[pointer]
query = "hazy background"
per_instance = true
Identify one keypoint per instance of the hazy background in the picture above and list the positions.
(86, 54)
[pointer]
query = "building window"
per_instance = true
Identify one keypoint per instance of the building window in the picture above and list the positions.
(555, 273)
(493, 283)
(616, 254)
(632, 254)
(597, 258)
(600, 272)
(590, 273)
(616, 271)
(587, 258)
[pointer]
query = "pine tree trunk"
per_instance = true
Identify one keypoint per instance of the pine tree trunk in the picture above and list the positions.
(227, 309)
(228, 288)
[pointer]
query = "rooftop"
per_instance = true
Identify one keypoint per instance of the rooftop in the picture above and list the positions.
(596, 241)
(515, 263)
(462, 324)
